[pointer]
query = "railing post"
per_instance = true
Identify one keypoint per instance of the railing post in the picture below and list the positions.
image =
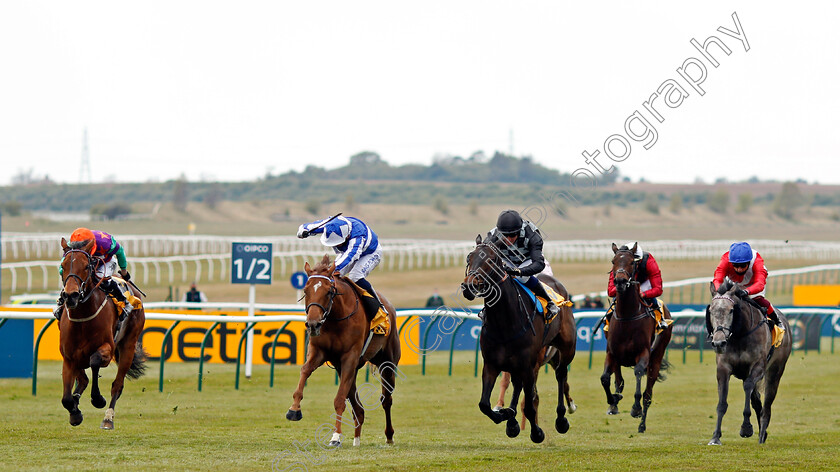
(425, 340)
(166, 336)
(273, 348)
(35, 355)
(239, 350)
(201, 353)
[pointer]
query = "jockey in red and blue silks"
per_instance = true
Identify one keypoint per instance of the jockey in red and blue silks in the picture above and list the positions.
(745, 266)
(356, 246)
(110, 255)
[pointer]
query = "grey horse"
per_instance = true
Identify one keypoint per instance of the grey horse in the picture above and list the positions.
(742, 341)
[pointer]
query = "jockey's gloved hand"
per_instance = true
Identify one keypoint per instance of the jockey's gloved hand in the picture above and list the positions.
(125, 275)
(743, 294)
(515, 271)
(302, 233)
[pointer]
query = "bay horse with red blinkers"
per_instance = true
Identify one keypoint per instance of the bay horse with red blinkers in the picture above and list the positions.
(339, 334)
(87, 327)
(631, 339)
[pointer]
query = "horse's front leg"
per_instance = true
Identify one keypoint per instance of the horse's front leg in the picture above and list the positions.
(612, 400)
(347, 383)
(561, 424)
(68, 399)
(512, 428)
(639, 371)
(100, 359)
(756, 373)
(488, 380)
(316, 358)
(723, 373)
(529, 387)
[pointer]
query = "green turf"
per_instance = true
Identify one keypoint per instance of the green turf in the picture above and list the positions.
(437, 421)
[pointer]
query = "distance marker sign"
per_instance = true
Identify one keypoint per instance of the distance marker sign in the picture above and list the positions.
(251, 263)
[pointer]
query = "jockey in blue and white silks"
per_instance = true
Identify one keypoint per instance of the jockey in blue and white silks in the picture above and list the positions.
(356, 246)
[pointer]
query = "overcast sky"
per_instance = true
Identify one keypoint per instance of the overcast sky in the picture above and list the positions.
(232, 90)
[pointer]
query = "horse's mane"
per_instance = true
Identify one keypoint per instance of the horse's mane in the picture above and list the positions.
(726, 286)
(323, 266)
(78, 244)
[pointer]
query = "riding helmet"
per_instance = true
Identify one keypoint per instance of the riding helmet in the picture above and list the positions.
(336, 232)
(81, 234)
(509, 222)
(740, 253)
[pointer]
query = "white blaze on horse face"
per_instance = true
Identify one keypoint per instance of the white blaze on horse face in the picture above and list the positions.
(316, 287)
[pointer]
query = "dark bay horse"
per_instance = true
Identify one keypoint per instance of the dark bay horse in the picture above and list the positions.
(339, 327)
(87, 327)
(742, 339)
(513, 337)
(631, 339)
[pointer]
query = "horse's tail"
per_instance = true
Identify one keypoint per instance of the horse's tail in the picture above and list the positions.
(138, 364)
(664, 366)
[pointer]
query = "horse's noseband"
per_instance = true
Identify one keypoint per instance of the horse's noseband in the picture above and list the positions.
(82, 283)
(727, 330)
(331, 294)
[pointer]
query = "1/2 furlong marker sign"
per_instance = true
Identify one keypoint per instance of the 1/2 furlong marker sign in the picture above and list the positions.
(251, 263)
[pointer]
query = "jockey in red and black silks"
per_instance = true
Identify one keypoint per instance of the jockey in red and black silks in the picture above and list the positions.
(647, 274)
(745, 266)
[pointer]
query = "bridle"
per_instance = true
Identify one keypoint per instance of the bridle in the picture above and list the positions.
(91, 269)
(727, 330)
(630, 276)
(476, 277)
(333, 292)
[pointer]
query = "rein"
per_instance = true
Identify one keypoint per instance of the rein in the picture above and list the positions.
(332, 294)
(728, 329)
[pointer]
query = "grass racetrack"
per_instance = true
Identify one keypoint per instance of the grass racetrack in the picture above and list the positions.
(436, 418)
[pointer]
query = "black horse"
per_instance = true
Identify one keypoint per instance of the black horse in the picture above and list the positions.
(742, 339)
(513, 337)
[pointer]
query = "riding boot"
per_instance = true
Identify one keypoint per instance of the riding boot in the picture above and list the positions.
(539, 291)
(655, 306)
(371, 303)
(771, 313)
(114, 289)
(59, 306)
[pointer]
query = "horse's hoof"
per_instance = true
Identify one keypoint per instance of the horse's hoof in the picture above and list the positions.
(76, 419)
(334, 444)
(636, 412)
(507, 413)
(512, 428)
(612, 410)
(572, 407)
(107, 424)
(561, 425)
(537, 435)
(98, 402)
(714, 442)
(746, 431)
(642, 428)
(762, 437)
(293, 415)
(357, 441)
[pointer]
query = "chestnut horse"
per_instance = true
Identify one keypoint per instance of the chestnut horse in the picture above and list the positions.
(743, 348)
(513, 338)
(87, 327)
(339, 330)
(631, 339)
